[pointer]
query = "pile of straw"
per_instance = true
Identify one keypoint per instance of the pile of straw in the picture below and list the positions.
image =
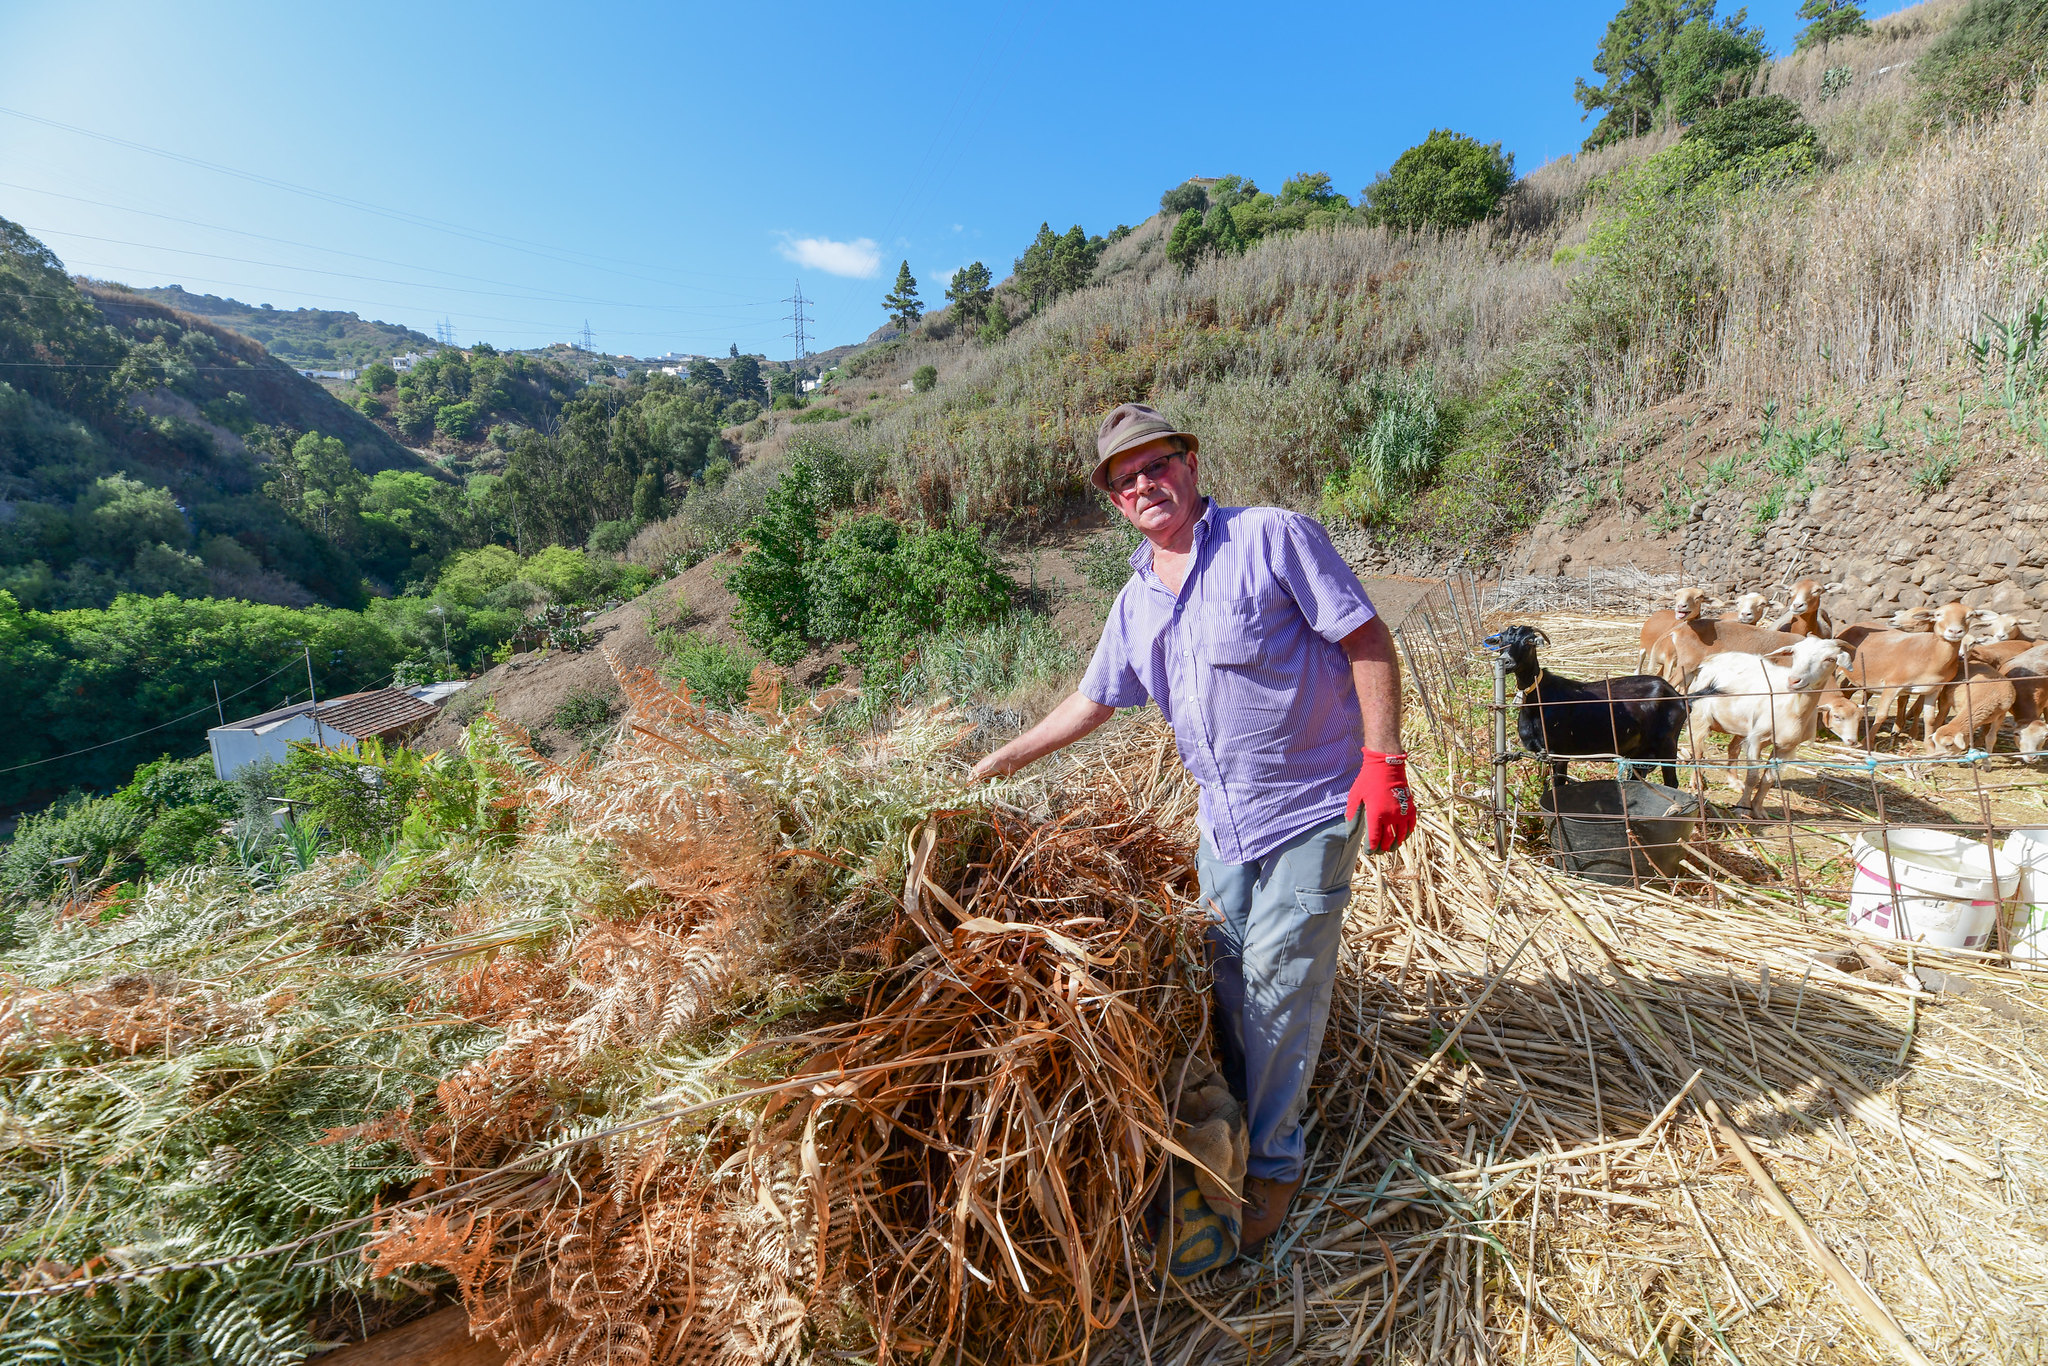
(1564, 1122)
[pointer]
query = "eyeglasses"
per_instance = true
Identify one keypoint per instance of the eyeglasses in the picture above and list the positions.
(1156, 472)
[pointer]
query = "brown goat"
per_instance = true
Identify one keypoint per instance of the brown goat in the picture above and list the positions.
(1901, 665)
(1681, 651)
(2028, 674)
(1686, 605)
(1803, 616)
(1986, 697)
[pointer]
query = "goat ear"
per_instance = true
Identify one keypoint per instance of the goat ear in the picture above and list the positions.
(1782, 654)
(1834, 588)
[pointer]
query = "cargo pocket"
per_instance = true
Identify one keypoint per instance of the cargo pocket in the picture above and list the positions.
(1309, 948)
(1316, 901)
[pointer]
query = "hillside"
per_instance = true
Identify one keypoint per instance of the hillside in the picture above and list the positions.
(308, 338)
(129, 451)
(1847, 228)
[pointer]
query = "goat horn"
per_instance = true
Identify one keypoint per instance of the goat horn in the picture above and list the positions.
(1541, 634)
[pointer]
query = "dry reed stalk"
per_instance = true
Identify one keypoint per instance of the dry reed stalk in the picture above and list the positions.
(954, 1164)
(1589, 1248)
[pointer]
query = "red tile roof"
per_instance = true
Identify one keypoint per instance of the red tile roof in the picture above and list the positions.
(381, 712)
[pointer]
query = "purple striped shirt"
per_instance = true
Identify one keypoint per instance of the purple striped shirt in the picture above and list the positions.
(1245, 663)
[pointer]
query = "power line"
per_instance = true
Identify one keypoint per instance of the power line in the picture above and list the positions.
(151, 730)
(563, 255)
(314, 246)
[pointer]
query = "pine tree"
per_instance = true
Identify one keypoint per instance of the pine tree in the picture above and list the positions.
(1829, 20)
(970, 294)
(902, 302)
(1631, 57)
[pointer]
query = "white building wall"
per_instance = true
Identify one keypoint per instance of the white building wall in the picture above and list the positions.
(235, 747)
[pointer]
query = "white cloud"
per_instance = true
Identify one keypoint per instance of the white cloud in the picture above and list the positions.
(934, 284)
(861, 259)
(956, 227)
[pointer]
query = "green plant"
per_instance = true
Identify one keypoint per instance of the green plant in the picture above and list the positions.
(1445, 182)
(1768, 509)
(769, 581)
(878, 586)
(902, 301)
(104, 831)
(1937, 471)
(814, 415)
(583, 711)
(358, 798)
(717, 674)
(924, 379)
(181, 836)
(1673, 510)
(1105, 559)
(1396, 454)
(1828, 20)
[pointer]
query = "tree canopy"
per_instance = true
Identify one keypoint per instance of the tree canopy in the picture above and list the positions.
(1446, 181)
(902, 301)
(1828, 20)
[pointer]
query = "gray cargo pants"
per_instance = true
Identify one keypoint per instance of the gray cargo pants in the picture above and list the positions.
(1275, 927)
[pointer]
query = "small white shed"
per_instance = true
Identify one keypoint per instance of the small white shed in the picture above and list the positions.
(382, 713)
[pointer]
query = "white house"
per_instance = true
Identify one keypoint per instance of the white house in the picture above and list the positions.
(406, 361)
(329, 374)
(340, 723)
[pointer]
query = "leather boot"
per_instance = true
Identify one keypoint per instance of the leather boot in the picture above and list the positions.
(1265, 1210)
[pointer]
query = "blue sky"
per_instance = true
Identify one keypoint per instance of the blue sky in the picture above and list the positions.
(670, 173)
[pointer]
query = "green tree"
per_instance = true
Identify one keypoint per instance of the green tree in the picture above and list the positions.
(1183, 197)
(744, 374)
(925, 378)
(1312, 189)
(1446, 181)
(120, 516)
(1056, 264)
(970, 293)
(1710, 65)
(902, 302)
(1631, 58)
(1828, 20)
(1188, 240)
(995, 322)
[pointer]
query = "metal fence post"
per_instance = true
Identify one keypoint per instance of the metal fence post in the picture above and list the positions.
(1500, 754)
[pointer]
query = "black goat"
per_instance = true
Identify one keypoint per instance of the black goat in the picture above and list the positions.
(1638, 717)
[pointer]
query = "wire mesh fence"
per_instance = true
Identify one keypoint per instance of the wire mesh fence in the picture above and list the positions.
(1949, 848)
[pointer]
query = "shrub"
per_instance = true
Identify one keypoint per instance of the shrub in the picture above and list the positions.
(815, 415)
(983, 664)
(1396, 454)
(1752, 127)
(1994, 51)
(774, 600)
(180, 837)
(167, 782)
(583, 711)
(462, 421)
(610, 538)
(1447, 181)
(358, 799)
(1708, 65)
(1183, 198)
(106, 831)
(924, 379)
(715, 672)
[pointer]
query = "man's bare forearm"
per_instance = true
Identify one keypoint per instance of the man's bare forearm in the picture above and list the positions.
(1069, 721)
(1376, 674)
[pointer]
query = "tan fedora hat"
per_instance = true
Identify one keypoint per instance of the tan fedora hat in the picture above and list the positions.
(1129, 426)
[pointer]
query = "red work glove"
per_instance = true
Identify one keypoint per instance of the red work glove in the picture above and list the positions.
(1381, 788)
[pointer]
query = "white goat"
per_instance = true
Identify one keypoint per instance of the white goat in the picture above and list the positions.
(1771, 699)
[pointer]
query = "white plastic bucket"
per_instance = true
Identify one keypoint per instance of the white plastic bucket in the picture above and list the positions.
(1937, 888)
(2026, 852)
